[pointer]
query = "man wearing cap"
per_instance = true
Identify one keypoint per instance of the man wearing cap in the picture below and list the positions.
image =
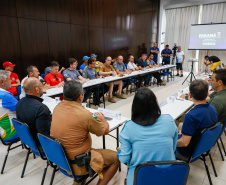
(166, 54)
(7, 108)
(85, 64)
(8, 66)
(98, 64)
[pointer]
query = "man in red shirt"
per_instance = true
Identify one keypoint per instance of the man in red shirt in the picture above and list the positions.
(8, 66)
(54, 78)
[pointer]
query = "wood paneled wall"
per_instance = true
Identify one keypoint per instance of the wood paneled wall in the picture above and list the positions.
(35, 32)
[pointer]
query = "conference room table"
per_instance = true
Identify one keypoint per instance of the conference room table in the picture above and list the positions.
(58, 91)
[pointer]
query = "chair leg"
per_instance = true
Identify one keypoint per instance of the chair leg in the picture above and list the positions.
(25, 164)
(6, 156)
(34, 156)
(44, 173)
(223, 146)
(220, 151)
(53, 174)
(207, 170)
(214, 169)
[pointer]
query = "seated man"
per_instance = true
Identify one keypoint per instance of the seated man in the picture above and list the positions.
(213, 61)
(7, 108)
(142, 64)
(85, 64)
(54, 78)
(8, 66)
(120, 69)
(202, 115)
(32, 111)
(131, 65)
(90, 73)
(218, 100)
(151, 64)
(48, 70)
(32, 71)
(107, 70)
(75, 136)
(98, 64)
(71, 73)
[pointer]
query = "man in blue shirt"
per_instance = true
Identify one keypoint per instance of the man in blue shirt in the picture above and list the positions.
(202, 115)
(7, 108)
(166, 54)
(155, 51)
(85, 64)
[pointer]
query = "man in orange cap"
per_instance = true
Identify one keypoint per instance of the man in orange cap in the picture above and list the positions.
(8, 66)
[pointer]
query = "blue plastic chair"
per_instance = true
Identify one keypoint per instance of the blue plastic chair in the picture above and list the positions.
(27, 139)
(9, 143)
(56, 154)
(206, 140)
(161, 173)
(218, 145)
(43, 76)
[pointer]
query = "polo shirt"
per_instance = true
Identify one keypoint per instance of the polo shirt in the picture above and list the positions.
(22, 84)
(155, 54)
(141, 63)
(179, 57)
(73, 74)
(7, 112)
(200, 117)
(131, 66)
(121, 67)
(168, 52)
(105, 68)
(53, 80)
(150, 62)
(83, 66)
(35, 114)
(90, 73)
(14, 78)
(214, 59)
(219, 102)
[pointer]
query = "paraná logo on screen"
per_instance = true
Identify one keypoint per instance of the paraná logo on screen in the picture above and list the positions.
(211, 35)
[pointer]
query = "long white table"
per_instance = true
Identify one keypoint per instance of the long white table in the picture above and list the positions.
(59, 90)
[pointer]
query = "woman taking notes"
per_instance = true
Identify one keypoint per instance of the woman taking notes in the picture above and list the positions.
(148, 136)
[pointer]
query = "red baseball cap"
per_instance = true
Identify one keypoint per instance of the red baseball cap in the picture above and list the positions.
(7, 63)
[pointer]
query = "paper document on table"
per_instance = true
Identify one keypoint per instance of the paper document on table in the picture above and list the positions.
(107, 112)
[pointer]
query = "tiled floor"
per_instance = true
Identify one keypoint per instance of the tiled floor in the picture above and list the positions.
(34, 170)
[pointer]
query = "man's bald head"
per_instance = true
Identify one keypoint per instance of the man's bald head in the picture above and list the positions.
(33, 86)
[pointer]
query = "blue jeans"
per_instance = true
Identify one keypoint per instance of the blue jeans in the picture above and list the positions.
(148, 80)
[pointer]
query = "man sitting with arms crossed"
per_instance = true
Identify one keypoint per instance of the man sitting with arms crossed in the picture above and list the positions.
(54, 78)
(151, 64)
(74, 134)
(107, 70)
(218, 100)
(32, 71)
(32, 111)
(202, 115)
(7, 108)
(120, 69)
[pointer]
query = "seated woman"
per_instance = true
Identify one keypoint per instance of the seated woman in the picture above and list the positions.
(149, 136)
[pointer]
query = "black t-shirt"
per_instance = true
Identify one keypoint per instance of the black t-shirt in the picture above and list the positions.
(35, 114)
(141, 63)
(214, 59)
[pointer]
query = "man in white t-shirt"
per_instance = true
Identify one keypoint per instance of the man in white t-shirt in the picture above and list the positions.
(131, 65)
(32, 71)
(179, 61)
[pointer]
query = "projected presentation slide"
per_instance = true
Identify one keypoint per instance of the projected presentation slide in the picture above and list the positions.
(208, 37)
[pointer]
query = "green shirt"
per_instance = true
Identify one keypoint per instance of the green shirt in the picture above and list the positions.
(219, 102)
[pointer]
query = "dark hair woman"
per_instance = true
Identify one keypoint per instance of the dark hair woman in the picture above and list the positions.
(149, 136)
